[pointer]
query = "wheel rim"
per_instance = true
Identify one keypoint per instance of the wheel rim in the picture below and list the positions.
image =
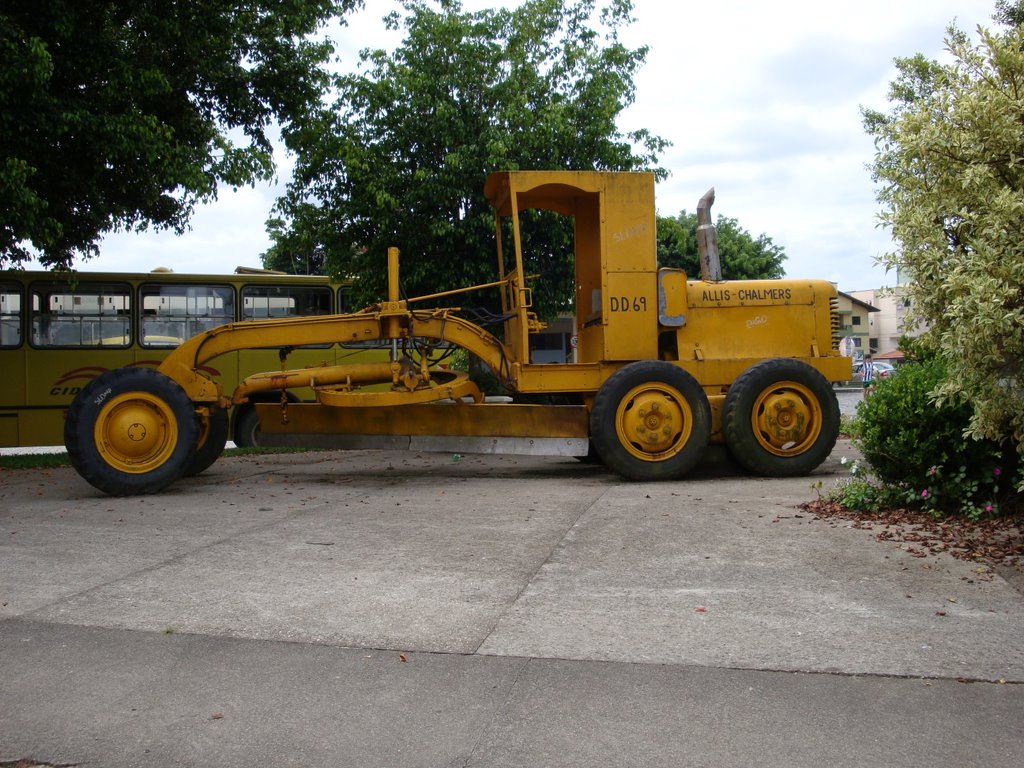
(136, 432)
(653, 422)
(786, 418)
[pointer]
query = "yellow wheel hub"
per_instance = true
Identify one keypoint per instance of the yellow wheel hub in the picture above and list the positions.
(786, 418)
(653, 422)
(136, 432)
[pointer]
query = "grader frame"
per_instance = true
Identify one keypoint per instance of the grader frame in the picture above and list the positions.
(664, 365)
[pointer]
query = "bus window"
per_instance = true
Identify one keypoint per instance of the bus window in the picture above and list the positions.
(87, 315)
(172, 313)
(260, 302)
(344, 299)
(10, 315)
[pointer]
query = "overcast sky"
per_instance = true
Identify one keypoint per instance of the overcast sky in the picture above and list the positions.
(760, 100)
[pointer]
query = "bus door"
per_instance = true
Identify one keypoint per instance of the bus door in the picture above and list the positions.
(174, 312)
(12, 352)
(262, 302)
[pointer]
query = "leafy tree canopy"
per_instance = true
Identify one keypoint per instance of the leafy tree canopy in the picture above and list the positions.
(950, 168)
(402, 158)
(126, 113)
(743, 256)
(1009, 13)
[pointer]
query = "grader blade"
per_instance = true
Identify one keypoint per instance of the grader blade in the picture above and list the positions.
(530, 430)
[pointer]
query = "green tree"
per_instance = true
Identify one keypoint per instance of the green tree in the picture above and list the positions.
(743, 256)
(401, 160)
(1009, 13)
(126, 113)
(950, 168)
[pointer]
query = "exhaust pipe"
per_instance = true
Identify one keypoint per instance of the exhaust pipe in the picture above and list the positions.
(707, 240)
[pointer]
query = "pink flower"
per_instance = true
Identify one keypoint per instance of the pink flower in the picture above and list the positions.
(988, 508)
(933, 471)
(997, 471)
(924, 494)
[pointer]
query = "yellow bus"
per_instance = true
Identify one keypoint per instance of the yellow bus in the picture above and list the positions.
(60, 330)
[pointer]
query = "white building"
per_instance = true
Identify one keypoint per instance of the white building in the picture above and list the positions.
(888, 325)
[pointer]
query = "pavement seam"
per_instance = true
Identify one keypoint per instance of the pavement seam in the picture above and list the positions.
(533, 574)
(523, 662)
(383, 649)
(497, 713)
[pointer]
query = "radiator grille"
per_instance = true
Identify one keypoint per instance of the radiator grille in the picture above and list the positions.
(836, 324)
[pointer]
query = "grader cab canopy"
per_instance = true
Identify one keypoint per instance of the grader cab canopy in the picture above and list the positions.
(662, 365)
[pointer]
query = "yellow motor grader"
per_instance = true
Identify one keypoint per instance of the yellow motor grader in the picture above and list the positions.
(662, 364)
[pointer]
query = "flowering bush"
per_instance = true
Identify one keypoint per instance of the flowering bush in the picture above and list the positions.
(948, 178)
(918, 455)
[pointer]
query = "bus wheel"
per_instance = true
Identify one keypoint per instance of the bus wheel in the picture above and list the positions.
(781, 418)
(131, 431)
(247, 427)
(650, 421)
(213, 435)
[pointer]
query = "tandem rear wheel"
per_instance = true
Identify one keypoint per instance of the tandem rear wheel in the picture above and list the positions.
(213, 436)
(650, 421)
(134, 431)
(781, 418)
(247, 426)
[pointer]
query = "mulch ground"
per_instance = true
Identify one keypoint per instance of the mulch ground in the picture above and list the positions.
(997, 542)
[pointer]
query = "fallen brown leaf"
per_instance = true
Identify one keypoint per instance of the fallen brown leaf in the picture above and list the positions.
(999, 541)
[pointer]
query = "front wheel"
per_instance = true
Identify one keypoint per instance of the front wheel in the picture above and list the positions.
(781, 418)
(131, 431)
(650, 421)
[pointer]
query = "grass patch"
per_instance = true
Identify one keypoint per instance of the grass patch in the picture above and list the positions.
(263, 451)
(847, 426)
(50, 460)
(35, 461)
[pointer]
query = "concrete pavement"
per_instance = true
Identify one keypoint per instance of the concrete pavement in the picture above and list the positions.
(396, 609)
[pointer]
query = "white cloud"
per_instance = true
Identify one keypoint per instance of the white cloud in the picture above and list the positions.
(761, 101)
(223, 235)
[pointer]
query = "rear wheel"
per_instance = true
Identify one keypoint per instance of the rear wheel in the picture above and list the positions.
(213, 436)
(650, 421)
(781, 418)
(247, 427)
(131, 431)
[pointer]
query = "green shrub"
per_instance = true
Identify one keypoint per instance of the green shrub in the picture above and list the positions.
(461, 360)
(919, 456)
(863, 492)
